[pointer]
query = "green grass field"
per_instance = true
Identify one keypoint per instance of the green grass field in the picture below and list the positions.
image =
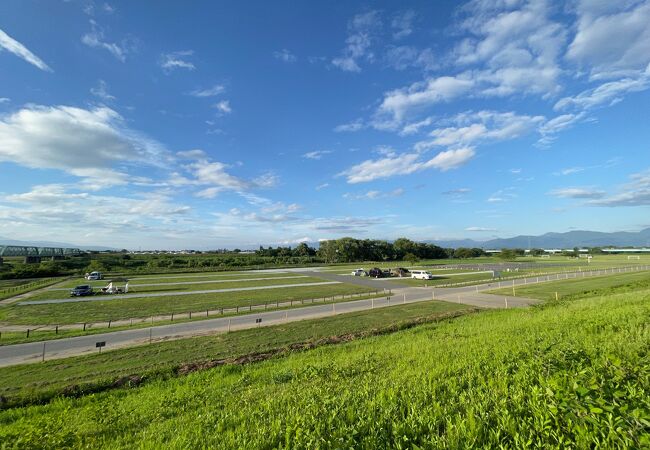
(180, 277)
(546, 291)
(167, 287)
(117, 308)
(573, 374)
(33, 382)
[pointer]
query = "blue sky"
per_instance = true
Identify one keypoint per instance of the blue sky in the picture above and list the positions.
(222, 124)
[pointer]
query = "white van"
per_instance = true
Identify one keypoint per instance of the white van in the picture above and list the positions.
(359, 273)
(94, 276)
(421, 275)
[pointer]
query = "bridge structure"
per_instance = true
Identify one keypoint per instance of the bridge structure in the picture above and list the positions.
(34, 254)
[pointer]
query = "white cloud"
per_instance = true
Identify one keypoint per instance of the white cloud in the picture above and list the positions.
(607, 93)
(612, 38)
(4, 100)
(213, 91)
(85, 143)
(317, 154)
(95, 39)
(414, 127)
(223, 107)
(76, 215)
(355, 125)
(398, 104)
(578, 192)
(402, 24)
(11, 45)
(322, 186)
(176, 60)
(360, 36)
(215, 174)
(285, 55)
(517, 44)
(481, 126)
(405, 164)
(101, 91)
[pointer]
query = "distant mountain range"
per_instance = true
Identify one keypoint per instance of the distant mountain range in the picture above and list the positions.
(569, 239)
(6, 241)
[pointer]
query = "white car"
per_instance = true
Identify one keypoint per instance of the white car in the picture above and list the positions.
(359, 273)
(421, 275)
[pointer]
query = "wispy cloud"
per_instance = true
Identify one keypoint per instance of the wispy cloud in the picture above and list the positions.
(402, 24)
(213, 91)
(634, 193)
(95, 38)
(578, 192)
(355, 125)
(177, 60)
(404, 57)
(317, 154)
(11, 45)
(457, 192)
(480, 229)
(101, 91)
(223, 107)
(375, 195)
(361, 31)
(285, 55)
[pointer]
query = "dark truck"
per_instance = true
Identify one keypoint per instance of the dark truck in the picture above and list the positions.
(81, 291)
(376, 273)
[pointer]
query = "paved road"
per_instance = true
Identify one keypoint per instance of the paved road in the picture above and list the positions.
(99, 298)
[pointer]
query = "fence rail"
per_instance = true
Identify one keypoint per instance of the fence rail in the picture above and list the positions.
(26, 287)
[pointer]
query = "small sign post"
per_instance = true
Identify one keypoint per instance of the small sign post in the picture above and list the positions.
(99, 345)
(258, 321)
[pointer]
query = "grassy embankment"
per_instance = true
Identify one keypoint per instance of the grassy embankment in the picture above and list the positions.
(574, 373)
(163, 359)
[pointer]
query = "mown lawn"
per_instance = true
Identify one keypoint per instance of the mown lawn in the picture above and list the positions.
(173, 287)
(546, 291)
(572, 374)
(119, 308)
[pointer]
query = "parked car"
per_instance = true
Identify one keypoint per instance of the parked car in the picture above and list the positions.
(400, 272)
(376, 272)
(359, 273)
(94, 276)
(81, 291)
(421, 275)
